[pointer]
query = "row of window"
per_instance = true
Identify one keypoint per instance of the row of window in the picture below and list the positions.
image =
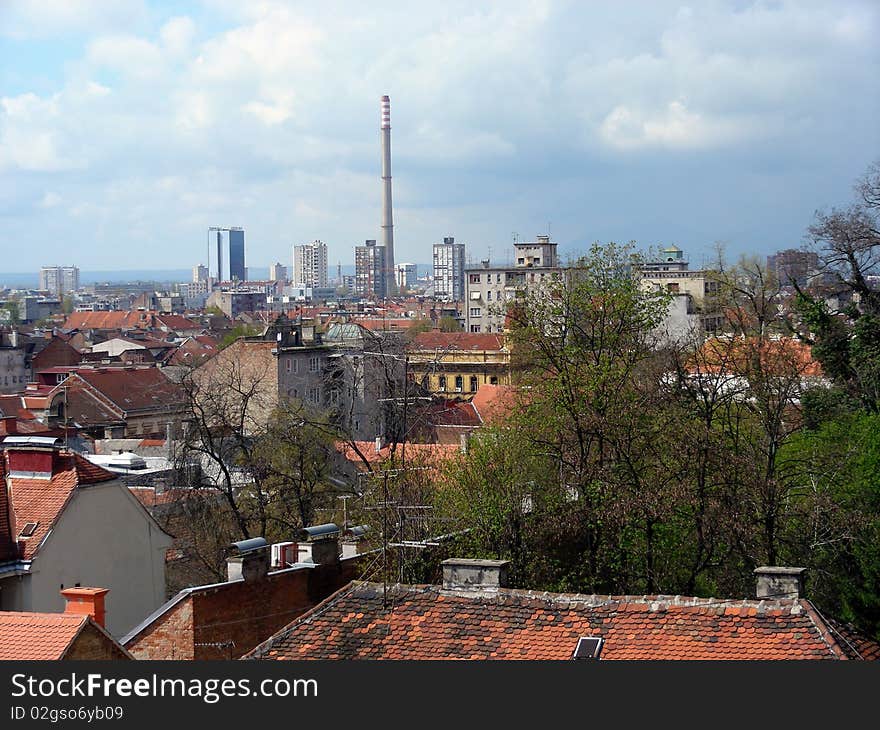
(292, 365)
(473, 382)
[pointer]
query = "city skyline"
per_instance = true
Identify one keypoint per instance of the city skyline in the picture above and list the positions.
(670, 125)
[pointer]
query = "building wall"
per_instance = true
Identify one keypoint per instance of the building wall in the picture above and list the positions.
(237, 268)
(310, 264)
(14, 372)
(488, 290)
(438, 371)
(104, 538)
(226, 621)
(449, 283)
(90, 644)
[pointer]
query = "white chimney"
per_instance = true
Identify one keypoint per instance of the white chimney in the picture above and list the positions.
(776, 582)
(465, 574)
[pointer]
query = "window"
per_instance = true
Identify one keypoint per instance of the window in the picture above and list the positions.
(334, 396)
(520, 261)
(441, 383)
(672, 286)
(489, 296)
(475, 328)
(29, 529)
(476, 312)
(474, 279)
(313, 364)
(497, 278)
(493, 380)
(473, 384)
(287, 365)
(314, 395)
(295, 366)
(459, 383)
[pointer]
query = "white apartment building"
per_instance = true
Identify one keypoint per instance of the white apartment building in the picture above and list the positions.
(449, 270)
(59, 280)
(310, 264)
(489, 287)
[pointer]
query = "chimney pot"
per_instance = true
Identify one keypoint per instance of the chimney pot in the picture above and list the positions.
(776, 582)
(89, 601)
(466, 574)
(251, 565)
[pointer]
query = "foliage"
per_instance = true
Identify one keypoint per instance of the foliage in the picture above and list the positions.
(241, 330)
(449, 324)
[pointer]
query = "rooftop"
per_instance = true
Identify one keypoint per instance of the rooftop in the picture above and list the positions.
(428, 622)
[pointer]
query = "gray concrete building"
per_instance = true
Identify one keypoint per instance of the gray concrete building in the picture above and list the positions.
(488, 288)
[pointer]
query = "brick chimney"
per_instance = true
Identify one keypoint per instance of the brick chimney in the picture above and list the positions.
(466, 574)
(89, 601)
(774, 582)
(8, 425)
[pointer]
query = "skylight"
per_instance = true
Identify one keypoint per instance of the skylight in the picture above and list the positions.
(588, 647)
(29, 529)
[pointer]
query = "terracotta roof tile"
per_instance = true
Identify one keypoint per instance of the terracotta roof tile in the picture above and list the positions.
(429, 623)
(436, 340)
(38, 636)
(42, 500)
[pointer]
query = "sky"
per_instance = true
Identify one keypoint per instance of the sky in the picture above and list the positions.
(128, 128)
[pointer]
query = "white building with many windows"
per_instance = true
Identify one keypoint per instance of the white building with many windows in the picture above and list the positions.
(488, 287)
(449, 270)
(310, 264)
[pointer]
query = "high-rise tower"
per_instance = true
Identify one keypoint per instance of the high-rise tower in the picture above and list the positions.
(387, 217)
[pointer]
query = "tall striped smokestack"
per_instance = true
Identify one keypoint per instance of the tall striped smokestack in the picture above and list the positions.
(387, 218)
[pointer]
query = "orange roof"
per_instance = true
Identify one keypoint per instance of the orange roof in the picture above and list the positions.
(735, 355)
(107, 320)
(42, 500)
(436, 340)
(25, 635)
(429, 622)
(433, 453)
(494, 402)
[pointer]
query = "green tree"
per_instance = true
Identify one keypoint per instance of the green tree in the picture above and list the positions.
(449, 324)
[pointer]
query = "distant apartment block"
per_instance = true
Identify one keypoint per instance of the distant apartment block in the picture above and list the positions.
(278, 272)
(793, 266)
(200, 273)
(369, 270)
(310, 264)
(406, 275)
(59, 280)
(449, 270)
(489, 288)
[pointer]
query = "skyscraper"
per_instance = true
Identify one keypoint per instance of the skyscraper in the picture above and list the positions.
(310, 264)
(237, 268)
(449, 270)
(229, 249)
(369, 270)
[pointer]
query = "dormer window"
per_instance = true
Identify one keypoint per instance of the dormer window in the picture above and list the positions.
(28, 530)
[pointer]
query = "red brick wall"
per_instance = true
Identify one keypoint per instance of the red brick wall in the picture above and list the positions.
(231, 619)
(170, 637)
(90, 643)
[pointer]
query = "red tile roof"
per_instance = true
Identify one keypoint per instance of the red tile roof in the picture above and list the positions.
(39, 636)
(43, 500)
(493, 403)
(786, 355)
(427, 622)
(430, 454)
(133, 389)
(436, 340)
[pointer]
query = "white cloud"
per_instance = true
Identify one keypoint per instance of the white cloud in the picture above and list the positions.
(674, 126)
(50, 200)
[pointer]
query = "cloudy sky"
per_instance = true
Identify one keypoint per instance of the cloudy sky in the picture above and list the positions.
(127, 128)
